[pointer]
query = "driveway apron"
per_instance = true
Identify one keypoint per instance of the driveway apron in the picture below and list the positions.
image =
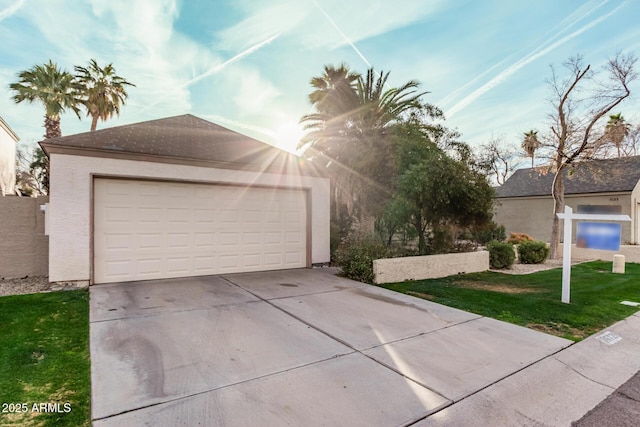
(293, 347)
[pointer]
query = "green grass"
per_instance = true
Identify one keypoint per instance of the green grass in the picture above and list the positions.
(44, 357)
(533, 300)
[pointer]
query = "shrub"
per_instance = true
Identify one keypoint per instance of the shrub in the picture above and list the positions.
(517, 238)
(489, 232)
(355, 257)
(501, 255)
(533, 252)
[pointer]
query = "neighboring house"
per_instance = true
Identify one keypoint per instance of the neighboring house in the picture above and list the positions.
(525, 204)
(8, 141)
(180, 197)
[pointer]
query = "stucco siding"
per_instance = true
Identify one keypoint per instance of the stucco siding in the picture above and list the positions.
(533, 215)
(71, 205)
(635, 214)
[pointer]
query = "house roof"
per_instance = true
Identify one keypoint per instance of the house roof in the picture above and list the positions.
(10, 131)
(183, 137)
(593, 176)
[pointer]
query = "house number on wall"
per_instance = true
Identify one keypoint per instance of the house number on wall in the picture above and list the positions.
(613, 199)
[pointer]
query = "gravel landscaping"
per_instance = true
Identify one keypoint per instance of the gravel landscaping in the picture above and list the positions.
(518, 268)
(32, 285)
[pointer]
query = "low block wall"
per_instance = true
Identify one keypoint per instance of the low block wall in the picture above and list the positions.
(391, 270)
(631, 253)
(24, 249)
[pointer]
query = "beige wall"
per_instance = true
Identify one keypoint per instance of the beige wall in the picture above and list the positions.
(24, 249)
(635, 214)
(7, 161)
(71, 191)
(392, 270)
(630, 252)
(533, 215)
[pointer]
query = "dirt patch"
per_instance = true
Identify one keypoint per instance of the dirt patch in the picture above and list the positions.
(493, 287)
(558, 329)
(421, 295)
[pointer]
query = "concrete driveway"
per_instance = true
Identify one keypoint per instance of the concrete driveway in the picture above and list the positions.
(295, 347)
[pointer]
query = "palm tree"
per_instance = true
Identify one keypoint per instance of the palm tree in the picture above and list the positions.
(380, 108)
(54, 88)
(350, 127)
(334, 83)
(530, 144)
(103, 91)
(616, 130)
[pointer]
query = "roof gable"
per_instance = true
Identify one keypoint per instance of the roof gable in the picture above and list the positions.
(8, 129)
(593, 176)
(182, 137)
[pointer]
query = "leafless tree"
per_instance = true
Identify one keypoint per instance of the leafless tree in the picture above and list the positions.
(580, 103)
(29, 173)
(499, 159)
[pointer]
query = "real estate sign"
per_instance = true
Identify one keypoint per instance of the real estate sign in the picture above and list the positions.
(598, 235)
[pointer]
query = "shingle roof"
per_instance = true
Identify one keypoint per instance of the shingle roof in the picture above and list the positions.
(594, 176)
(182, 137)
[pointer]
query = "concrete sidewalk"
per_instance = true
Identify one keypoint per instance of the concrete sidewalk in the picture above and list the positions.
(560, 389)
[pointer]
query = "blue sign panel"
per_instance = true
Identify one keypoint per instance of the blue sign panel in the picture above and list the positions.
(598, 235)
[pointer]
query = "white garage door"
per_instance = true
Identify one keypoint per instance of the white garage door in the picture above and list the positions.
(150, 230)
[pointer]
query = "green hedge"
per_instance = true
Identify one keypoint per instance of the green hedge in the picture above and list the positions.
(355, 257)
(501, 255)
(533, 252)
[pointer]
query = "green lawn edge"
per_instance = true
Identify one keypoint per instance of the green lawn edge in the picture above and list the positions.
(533, 300)
(44, 359)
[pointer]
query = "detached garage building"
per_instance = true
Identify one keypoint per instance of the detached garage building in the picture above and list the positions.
(179, 197)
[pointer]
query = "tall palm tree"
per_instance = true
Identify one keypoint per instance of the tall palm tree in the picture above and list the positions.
(103, 91)
(616, 130)
(350, 127)
(380, 108)
(530, 144)
(51, 86)
(333, 99)
(334, 83)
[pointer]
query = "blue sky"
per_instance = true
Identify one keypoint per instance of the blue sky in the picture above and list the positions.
(246, 64)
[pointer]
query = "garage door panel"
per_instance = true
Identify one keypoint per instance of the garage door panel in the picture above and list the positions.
(292, 258)
(146, 230)
(205, 240)
(149, 240)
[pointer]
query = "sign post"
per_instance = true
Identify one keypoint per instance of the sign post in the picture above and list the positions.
(568, 216)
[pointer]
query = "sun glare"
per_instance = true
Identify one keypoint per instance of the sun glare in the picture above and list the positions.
(288, 135)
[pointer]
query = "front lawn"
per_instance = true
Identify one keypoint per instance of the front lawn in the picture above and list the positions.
(533, 300)
(44, 359)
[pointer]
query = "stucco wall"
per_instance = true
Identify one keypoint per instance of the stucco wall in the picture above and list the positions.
(631, 253)
(533, 215)
(7, 162)
(391, 270)
(635, 214)
(70, 205)
(24, 248)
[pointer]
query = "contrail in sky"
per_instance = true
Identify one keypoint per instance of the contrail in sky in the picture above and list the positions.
(217, 68)
(535, 54)
(344, 36)
(5, 13)
(230, 61)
